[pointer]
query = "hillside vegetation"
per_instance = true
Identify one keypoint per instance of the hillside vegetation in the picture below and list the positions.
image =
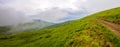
(85, 32)
(4, 29)
(112, 15)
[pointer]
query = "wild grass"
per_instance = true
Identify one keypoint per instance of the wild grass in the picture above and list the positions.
(112, 15)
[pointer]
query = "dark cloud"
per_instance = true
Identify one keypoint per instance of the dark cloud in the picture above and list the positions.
(59, 15)
(52, 14)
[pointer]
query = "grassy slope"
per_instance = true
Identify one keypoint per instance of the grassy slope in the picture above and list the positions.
(86, 32)
(4, 29)
(112, 15)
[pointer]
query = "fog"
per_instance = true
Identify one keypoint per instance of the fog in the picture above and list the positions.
(9, 16)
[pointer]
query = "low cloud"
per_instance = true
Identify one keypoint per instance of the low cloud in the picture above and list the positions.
(9, 16)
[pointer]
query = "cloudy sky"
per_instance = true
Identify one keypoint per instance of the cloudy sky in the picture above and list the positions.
(17, 11)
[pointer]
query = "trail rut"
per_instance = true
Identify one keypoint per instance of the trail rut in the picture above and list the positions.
(112, 26)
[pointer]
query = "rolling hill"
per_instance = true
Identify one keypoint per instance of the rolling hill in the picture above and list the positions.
(86, 32)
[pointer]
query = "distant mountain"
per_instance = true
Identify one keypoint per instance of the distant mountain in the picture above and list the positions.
(34, 25)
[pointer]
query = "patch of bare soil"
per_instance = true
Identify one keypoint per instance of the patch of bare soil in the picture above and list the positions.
(112, 26)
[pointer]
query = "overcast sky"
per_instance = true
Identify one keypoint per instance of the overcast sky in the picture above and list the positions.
(16, 11)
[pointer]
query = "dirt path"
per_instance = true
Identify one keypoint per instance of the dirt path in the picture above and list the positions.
(112, 26)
